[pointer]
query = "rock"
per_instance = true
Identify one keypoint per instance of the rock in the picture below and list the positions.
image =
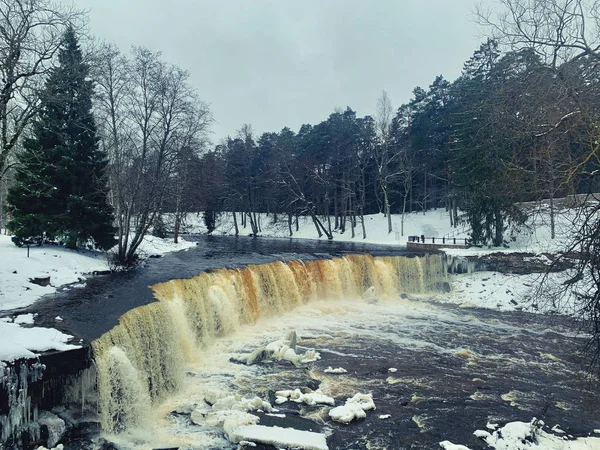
(52, 428)
(40, 281)
(101, 272)
(292, 339)
(443, 287)
(258, 355)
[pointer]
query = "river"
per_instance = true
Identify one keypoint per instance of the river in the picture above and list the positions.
(436, 372)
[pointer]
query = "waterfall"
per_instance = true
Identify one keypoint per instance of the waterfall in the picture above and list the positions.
(143, 358)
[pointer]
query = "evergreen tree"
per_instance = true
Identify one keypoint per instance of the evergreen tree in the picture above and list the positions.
(60, 191)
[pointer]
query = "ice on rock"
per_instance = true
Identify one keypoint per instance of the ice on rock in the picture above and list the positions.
(280, 437)
(354, 408)
(311, 398)
(283, 350)
(347, 413)
(447, 445)
(338, 370)
(530, 436)
(228, 411)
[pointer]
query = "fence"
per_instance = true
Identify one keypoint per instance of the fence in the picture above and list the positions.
(443, 240)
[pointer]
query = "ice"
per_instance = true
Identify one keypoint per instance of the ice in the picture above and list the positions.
(311, 399)
(281, 437)
(532, 436)
(18, 342)
(26, 319)
(447, 445)
(354, 408)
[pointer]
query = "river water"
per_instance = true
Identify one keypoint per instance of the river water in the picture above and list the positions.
(88, 313)
(439, 372)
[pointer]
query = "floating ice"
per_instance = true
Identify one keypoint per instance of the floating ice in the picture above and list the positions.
(354, 408)
(447, 445)
(311, 398)
(281, 437)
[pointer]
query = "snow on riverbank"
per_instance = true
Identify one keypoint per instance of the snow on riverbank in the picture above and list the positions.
(528, 436)
(63, 267)
(491, 290)
(534, 237)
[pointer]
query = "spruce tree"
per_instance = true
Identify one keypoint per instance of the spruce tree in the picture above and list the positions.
(60, 189)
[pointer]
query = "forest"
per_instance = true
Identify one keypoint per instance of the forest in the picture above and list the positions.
(519, 124)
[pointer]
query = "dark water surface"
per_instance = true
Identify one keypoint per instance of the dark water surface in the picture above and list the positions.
(457, 368)
(90, 312)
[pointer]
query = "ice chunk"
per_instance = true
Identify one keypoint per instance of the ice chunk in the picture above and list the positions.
(280, 437)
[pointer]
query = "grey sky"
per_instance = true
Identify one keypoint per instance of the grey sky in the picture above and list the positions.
(276, 63)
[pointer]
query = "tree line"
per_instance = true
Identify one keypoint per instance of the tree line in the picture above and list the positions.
(519, 124)
(512, 128)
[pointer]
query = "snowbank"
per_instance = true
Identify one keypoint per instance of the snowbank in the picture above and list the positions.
(18, 342)
(62, 267)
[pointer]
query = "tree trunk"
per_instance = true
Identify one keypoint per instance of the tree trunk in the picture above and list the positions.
(388, 210)
(235, 223)
(177, 227)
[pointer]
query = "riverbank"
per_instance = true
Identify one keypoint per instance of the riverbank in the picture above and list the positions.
(31, 274)
(26, 275)
(56, 268)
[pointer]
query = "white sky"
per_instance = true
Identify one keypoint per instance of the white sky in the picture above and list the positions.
(276, 63)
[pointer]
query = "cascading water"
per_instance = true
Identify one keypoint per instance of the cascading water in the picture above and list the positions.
(143, 359)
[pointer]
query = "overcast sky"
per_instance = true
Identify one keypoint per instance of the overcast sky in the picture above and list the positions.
(276, 63)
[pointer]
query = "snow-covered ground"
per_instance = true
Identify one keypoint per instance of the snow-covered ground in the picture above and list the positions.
(534, 237)
(18, 338)
(528, 436)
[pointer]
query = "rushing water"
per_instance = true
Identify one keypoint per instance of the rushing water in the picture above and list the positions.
(160, 363)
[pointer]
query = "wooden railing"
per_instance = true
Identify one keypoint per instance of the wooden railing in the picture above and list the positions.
(437, 240)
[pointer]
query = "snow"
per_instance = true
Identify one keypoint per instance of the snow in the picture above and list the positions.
(64, 267)
(154, 246)
(535, 237)
(528, 436)
(61, 265)
(311, 398)
(20, 342)
(335, 371)
(354, 408)
(447, 445)
(281, 437)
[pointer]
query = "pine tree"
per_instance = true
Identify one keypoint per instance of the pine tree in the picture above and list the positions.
(60, 191)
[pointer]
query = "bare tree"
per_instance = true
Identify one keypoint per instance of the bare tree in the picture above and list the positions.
(148, 116)
(558, 30)
(383, 120)
(30, 35)
(566, 35)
